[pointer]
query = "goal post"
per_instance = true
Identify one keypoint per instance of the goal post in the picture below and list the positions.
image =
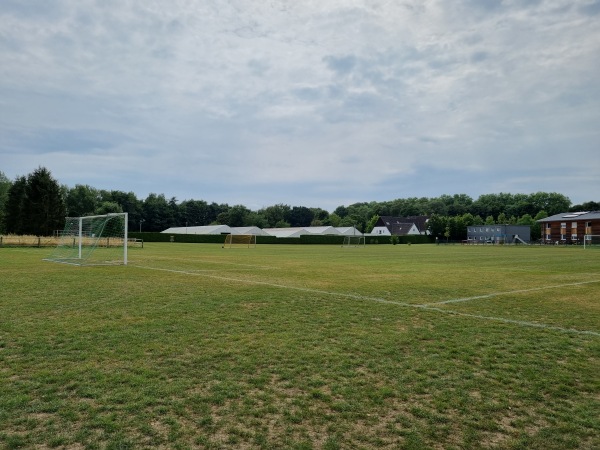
(353, 241)
(591, 241)
(93, 240)
(240, 241)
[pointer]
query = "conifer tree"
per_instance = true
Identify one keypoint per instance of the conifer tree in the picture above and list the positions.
(13, 208)
(44, 207)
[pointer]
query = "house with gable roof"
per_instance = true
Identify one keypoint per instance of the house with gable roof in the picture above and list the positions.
(400, 226)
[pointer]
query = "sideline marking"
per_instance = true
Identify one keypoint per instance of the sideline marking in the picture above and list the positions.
(425, 307)
(519, 291)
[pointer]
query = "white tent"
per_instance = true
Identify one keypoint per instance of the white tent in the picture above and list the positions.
(248, 230)
(208, 229)
(285, 232)
(321, 230)
(277, 232)
(348, 231)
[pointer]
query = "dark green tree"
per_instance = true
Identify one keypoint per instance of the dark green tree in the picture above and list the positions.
(276, 214)
(14, 213)
(82, 200)
(5, 185)
(214, 210)
(536, 228)
(437, 225)
(341, 211)
(108, 207)
(551, 202)
(587, 206)
(44, 208)
(320, 214)
(157, 213)
(195, 212)
(300, 216)
(175, 212)
(458, 228)
(461, 204)
(256, 219)
(238, 216)
(129, 203)
(437, 207)
(468, 219)
(371, 224)
(333, 220)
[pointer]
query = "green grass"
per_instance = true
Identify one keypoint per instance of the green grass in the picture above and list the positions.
(302, 347)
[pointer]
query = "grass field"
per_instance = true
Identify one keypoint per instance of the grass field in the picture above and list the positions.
(302, 347)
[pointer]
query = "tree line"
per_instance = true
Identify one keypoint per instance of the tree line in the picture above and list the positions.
(37, 204)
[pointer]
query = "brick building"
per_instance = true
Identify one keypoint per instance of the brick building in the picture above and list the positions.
(570, 227)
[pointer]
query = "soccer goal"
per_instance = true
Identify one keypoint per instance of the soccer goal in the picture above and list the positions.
(240, 241)
(591, 241)
(354, 241)
(93, 240)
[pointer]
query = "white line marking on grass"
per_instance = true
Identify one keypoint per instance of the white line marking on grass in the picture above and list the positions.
(281, 286)
(389, 302)
(512, 321)
(519, 291)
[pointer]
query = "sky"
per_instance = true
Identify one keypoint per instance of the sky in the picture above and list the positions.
(316, 103)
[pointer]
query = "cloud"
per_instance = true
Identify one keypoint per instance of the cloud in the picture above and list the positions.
(303, 102)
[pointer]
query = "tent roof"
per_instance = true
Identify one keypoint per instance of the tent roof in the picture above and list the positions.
(248, 230)
(321, 230)
(348, 231)
(208, 229)
(285, 232)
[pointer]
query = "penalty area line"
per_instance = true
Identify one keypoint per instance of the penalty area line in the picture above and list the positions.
(280, 286)
(518, 291)
(423, 307)
(522, 323)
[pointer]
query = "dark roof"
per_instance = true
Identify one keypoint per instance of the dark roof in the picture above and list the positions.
(391, 221)
(566, 216)
(400, 229)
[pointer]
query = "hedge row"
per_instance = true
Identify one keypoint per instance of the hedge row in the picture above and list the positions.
(305, 239)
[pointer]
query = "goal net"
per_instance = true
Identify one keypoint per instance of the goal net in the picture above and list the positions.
(93, 240)
(240, 241)
(591, 241)
(354, 241)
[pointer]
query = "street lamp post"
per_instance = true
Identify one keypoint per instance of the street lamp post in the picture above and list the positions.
(141, 222)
